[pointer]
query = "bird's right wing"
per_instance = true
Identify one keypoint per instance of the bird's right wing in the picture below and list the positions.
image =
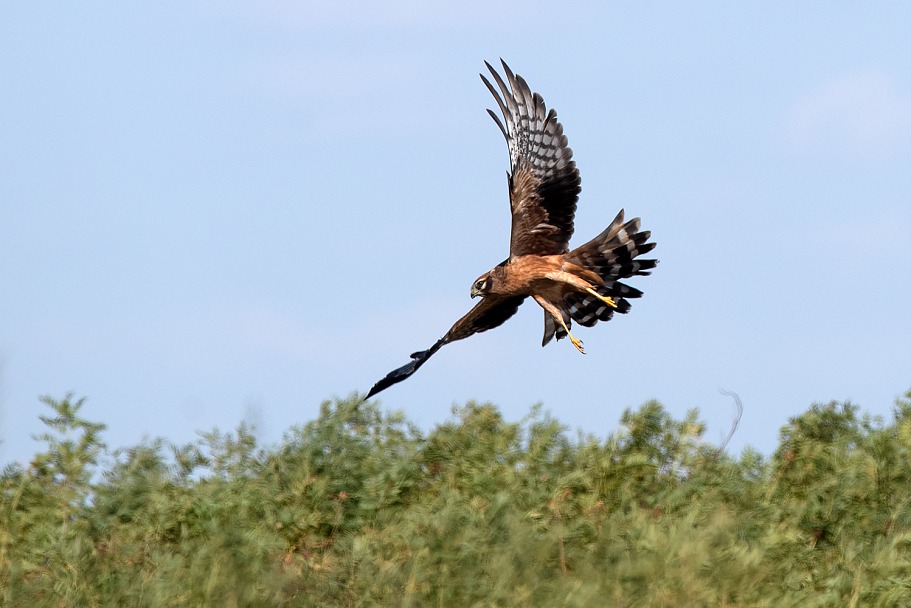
(488, 313)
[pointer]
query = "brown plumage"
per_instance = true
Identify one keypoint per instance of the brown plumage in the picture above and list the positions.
(582, 284)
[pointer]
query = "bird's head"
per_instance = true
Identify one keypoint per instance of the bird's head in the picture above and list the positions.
(482, 286)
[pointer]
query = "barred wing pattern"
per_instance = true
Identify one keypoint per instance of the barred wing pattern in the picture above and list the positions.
(544, 183)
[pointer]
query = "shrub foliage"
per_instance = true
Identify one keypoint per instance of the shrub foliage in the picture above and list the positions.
(359, 508)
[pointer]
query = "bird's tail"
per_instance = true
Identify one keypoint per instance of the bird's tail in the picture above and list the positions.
(612, 255)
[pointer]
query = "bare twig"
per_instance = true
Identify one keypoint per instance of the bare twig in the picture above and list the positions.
(739, 404)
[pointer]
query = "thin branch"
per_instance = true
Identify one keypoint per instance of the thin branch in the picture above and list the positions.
(739, 404)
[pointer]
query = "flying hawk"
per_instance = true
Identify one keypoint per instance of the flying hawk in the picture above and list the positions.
(582, 284)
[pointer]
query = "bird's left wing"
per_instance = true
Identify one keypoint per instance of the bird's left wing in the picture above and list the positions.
(488, 313)
(544, 183)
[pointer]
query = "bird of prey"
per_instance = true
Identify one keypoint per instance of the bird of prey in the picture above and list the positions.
(582, 284)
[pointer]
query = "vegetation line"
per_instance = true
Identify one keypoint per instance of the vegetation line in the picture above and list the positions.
(360, 508)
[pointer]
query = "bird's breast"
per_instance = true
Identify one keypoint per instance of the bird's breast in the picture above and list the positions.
(527, 275)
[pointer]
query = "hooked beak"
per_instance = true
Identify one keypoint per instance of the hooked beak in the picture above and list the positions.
(474, 293)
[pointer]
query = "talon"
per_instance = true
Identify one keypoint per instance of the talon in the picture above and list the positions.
(606, 299)
(577, 343)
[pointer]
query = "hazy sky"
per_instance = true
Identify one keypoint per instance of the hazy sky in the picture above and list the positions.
(217, 211)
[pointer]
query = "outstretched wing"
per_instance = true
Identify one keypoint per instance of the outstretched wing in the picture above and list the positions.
(488, 313)
(544, 182)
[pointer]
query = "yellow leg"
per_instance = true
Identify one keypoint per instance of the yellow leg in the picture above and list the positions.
(606, 299)
(576, 342)
(556, 314)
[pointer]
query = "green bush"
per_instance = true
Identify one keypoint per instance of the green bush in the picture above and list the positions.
(359, 508)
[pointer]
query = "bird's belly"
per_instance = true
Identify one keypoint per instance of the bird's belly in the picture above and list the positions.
(549, 289)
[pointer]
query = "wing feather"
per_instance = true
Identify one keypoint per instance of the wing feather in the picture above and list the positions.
(544, 183)
(490, 312)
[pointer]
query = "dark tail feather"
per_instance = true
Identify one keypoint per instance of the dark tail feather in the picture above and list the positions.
(586, 310)
(551, 328)
(614, 254)
(402, 373)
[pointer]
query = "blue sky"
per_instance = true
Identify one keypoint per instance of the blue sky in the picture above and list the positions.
(222, 211)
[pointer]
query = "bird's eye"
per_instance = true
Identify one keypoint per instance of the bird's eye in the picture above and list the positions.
(480, 284)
